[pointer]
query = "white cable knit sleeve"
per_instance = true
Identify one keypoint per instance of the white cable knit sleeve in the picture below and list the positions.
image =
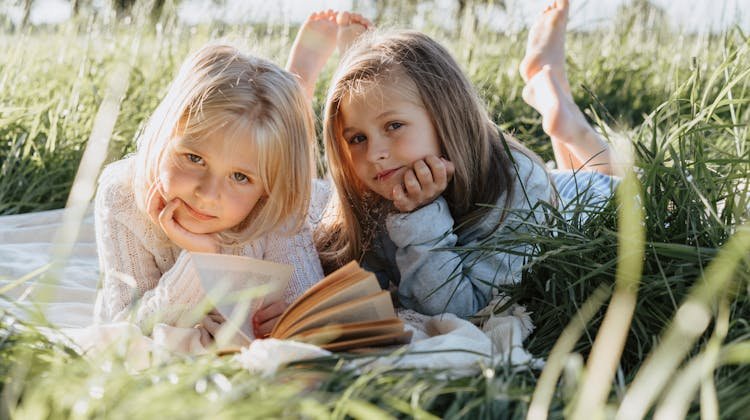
(174, 300)
(299, 252)
(142, 281)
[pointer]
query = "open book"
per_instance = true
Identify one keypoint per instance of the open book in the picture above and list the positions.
(237, 286)
(344, 311)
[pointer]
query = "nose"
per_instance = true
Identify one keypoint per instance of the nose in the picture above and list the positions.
(208, 188)
(378, 148)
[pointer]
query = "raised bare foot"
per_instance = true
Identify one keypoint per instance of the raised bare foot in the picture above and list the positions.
(561, 117)
(546, 44)
(313, 46)
(351, 26)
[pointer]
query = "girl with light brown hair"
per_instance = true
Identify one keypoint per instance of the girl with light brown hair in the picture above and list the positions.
(423, 176)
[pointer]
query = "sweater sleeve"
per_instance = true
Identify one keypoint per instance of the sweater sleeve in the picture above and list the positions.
(133, 286)
(298, 251)
(438, 274)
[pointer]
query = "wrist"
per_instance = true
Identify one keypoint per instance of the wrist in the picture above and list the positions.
(423, 225)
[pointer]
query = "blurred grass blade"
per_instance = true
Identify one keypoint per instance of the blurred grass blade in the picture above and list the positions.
(84, 183)
(23, 279)
(697, 373)
(545, 388)
(688, 324)
(610, 339)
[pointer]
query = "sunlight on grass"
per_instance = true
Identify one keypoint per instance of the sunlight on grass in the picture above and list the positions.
(607, 348)
(671, 252)
(689, 323)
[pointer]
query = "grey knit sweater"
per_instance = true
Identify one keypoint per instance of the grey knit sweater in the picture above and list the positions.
(420, 255)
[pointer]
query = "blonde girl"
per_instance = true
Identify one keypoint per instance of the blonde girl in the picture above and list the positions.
(224, 165)
(421, 172)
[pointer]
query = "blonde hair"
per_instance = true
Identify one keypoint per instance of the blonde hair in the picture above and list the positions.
(467, 136)
(218, 88)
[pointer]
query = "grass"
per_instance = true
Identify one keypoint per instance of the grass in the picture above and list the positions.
(684, 353)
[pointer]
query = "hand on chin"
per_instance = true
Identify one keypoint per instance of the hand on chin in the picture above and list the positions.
(181, 235)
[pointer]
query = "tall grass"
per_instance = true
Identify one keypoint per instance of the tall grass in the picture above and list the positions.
(685, 352)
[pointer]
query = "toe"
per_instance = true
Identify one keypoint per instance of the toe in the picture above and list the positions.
(344, 18)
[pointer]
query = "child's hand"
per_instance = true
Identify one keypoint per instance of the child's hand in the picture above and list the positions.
(209, 327)
(162, 213)
(266, 318)
(423, 183)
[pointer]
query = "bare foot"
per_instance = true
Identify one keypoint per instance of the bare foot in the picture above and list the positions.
(313, 46)
(351, 26)
(546, 44)
(561, 117)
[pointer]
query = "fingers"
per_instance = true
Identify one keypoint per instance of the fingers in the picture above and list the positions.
(215, 316)
(413, 187)
(424, 173)
(264, 330)
(423, 183)
(266, 318)
(269, 311)
(185, 239)
(166, 217)
(205, 337)
(211, 325)
(155, 202)
(450, 168)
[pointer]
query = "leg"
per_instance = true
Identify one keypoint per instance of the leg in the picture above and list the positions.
(351, 26)
(312, 47)
(574, 141)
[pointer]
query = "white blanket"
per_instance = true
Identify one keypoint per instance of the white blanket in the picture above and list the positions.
(66, 301)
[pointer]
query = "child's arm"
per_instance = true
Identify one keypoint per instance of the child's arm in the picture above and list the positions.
(131, 271)
(435, 276)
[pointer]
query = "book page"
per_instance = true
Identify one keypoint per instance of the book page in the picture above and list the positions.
(338, 277)
(402, 337)
(238, 285)
(349, 331)
(369, 308)
(354, 287)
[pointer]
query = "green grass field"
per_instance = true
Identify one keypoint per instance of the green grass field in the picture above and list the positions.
(672, 252)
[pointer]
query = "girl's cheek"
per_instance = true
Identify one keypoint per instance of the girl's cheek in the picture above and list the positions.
(174, 182)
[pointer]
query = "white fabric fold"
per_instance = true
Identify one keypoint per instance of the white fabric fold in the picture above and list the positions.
(443, 342)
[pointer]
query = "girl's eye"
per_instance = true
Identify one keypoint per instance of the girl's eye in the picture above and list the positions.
(240, 177)
(394, 126)
(357, 138)
(194, 158)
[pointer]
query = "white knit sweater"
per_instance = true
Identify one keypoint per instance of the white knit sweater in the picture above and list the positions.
(144, 274)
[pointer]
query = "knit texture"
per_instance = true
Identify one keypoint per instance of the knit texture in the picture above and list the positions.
(144, 275)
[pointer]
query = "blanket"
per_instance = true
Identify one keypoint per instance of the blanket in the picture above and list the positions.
(34, 288)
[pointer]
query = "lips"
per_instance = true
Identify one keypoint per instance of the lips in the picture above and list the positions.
(196, 214)
(383, 175)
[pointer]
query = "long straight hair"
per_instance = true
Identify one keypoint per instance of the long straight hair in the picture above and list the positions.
(254, 102)
(467, 136)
